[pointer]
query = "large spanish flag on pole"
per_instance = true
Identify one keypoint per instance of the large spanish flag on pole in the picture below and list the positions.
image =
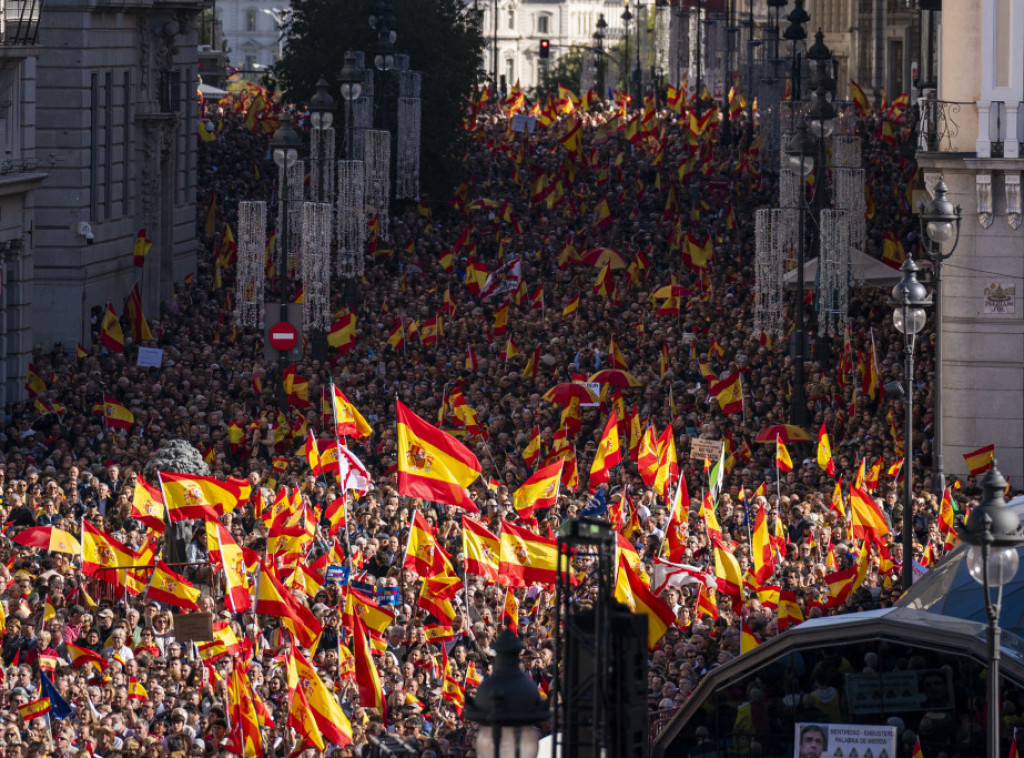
(273, 599)
(432, 464)
(868, 522)
(480, 548)
(109, 559)
(170, 587)
(609, 453)
(980, 460)
(191, 496)
(526, 558)
(540, 491)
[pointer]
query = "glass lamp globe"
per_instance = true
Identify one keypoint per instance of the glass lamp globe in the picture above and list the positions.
(321, 120)
(821, 128)
(282, 157)
(528, 736)
(940, 231)
(911, 323)
(802, 163)
(1002, 565)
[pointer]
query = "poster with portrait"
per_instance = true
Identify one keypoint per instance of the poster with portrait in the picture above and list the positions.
(817, 740)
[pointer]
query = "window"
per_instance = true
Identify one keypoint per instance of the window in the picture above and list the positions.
(250, 21)
(542, 24)
(512, 20)
(509, 68)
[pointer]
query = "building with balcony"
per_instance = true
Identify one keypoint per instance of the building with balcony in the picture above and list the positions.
(22, 171)
(115, 129)
(971, 136)
(252, 33)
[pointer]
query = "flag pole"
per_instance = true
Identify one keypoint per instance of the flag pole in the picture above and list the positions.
(337, 453)
(778, 473)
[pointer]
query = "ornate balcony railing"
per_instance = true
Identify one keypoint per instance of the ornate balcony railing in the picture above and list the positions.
(939, 123)
(19, 21)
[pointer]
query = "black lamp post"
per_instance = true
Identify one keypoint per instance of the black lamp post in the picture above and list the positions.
(507, 702)
(626, 18)
(993, 533)
(940, 225)
(909, 299)
(599, 39)
(351, 80)
(637, 70)
(321, 116)
(795, 34)
(285, 144)
(383, 21)
(802, 149)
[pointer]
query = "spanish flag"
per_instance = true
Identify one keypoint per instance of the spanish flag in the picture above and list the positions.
(168, 586)
(571, 307)
(348, 421)
(761, 548)
(34, 383)
(706, 602)
(790, 613)
(609, 453)
(868, 522)
(525, 557)
(825, 452)
(631, 590)
(110, 331)
(101, 551)
(727, 571)
(223, 550)
(300, 718)
(148, 505)
(432, 464)
(141, 248)
(729, 394)
(540, 491)
(480, 549)
(245, 737)
(81, 656)
(423, 554)
(136, 691)
(342, 335)
(190, 496)
(371, 692)
(981, 459)
(35, 709)
(116, 415)
(273, 599)
(376, 618)
(531, 453)
(747, 639)
(860, 100)
(782, 460)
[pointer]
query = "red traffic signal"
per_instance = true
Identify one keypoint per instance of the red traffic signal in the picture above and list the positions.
(545, 48)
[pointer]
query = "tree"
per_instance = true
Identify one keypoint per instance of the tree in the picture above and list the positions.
(567, 70)
(443, 42)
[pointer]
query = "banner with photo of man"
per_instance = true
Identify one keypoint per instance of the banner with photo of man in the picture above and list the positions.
(815, 740)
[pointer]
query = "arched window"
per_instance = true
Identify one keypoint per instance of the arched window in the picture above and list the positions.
(543, 21)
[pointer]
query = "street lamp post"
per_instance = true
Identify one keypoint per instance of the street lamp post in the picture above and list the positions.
(626, 18)
(909, 299)
(638, 71)
(802, 149)
(383, 21)
(795, 34)
(993, 532)
(507, 702)
(350, 79)
(940, 225)
(806, 150)
(599, 39)
(285, 144)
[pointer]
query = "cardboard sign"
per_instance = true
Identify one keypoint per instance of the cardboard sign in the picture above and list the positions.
(193, 627)
(710, 449)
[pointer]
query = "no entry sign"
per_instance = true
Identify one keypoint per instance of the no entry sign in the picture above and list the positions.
(283, 336)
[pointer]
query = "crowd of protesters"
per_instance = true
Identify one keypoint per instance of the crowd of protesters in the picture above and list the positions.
(60, 468)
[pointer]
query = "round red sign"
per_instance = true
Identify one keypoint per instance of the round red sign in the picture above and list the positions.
(283, 336)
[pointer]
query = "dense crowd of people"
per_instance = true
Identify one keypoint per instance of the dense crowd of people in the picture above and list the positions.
(526, 196)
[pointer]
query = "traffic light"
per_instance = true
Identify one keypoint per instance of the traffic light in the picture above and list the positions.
(545, 49)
